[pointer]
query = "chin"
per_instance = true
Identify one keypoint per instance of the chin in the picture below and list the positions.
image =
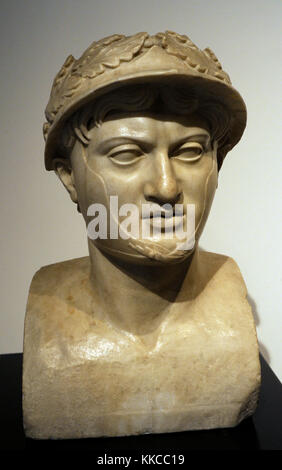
(161, 251)
(147, 251)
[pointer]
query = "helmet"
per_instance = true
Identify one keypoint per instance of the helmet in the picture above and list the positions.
(119, 60)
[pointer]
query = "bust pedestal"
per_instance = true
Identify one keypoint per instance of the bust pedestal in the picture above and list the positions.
(85, 378)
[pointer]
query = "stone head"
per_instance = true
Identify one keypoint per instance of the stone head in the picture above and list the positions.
(137, 121)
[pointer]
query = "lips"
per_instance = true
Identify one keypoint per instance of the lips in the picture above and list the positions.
(167, 223)
(166, 211)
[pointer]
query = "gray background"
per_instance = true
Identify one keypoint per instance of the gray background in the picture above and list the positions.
(39, 224)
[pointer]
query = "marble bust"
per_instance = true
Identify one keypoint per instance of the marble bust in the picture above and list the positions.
(148, 334)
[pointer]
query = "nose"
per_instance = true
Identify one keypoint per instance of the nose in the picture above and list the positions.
(162, 187)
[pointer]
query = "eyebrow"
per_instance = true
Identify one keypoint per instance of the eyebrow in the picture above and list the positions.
(108, 144)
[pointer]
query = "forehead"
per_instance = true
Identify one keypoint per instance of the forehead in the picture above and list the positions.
(152, 127)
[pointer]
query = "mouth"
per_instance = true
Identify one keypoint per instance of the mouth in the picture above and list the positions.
(165, 220)
(151, 210)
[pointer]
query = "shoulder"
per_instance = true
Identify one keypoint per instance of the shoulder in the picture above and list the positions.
(221, 270)
(59, 307)
(59, 290)
(59, 276)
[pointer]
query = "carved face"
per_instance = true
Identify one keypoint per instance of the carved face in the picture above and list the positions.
(145, 158)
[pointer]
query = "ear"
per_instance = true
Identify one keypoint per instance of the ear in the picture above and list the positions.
(63, 170)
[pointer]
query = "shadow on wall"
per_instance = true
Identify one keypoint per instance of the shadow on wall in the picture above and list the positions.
(262, 348)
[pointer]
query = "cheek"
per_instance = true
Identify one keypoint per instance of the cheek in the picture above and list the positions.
(89, 184)
(124, 183)
(210, 188)
(120, 182)
(200, 185)
(199, 178)
(96, 181)
(205, 200)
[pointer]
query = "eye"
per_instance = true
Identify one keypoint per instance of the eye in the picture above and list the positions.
(189, 152)
(126, 155)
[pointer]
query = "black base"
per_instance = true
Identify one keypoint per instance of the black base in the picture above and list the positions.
(263, 431)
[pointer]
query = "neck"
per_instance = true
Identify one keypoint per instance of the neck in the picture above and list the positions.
(137, 298)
